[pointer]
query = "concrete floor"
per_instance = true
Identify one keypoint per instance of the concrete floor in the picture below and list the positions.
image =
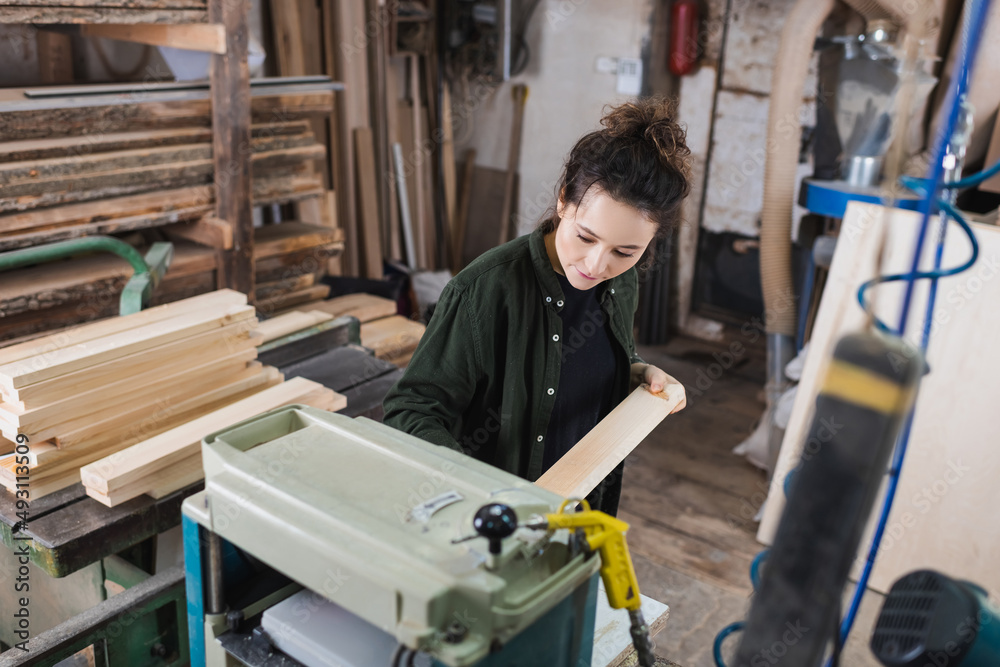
(690, 503)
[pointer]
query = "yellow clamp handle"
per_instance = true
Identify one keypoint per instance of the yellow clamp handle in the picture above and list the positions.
(606, 535)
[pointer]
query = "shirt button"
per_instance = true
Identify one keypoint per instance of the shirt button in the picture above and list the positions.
(612, 290)
(556, 338)
(539, 438)
(559, 303)
(548, 299)
(551, 391)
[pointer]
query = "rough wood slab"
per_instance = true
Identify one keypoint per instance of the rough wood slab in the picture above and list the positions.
(60, 15)
(391, 336)
(599, 452)
(365, 307)
(119, 113)
(282, 325)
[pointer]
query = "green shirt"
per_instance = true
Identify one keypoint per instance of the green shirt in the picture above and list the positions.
(484, 377)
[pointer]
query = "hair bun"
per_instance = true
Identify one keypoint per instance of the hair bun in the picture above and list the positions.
(653, 120)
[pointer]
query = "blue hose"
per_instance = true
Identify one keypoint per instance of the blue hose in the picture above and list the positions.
(721, 637)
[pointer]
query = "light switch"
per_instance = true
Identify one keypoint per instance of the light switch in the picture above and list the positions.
(629, 76)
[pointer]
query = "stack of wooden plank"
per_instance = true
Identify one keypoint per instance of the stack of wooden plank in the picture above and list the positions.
(106, 11)
(92, 390)
(172, 460)
(65, 187)
(390, 336)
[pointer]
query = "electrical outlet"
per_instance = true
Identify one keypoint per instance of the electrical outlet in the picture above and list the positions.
(629, 76)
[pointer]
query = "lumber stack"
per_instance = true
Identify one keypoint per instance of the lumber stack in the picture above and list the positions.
(92, 390)
(390, 336)
(291, 259)
(66, 187)
(171, 460)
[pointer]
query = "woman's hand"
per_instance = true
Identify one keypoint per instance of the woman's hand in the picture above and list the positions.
(656, 379)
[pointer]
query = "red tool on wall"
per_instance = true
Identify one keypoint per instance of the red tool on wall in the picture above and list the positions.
(684, 45)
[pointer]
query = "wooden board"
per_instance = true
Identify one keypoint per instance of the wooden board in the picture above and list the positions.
(365, 307)
(282, 325)
(287, 237)
(151, 111)
(599, 452)
(86, 332)
(129, 387)
(146, 458)
(66, 360)
(147, 363)
(482, 226)
(952, 464)
(391, 336)
(367, 178)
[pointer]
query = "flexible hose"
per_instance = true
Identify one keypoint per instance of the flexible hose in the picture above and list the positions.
(784, 129)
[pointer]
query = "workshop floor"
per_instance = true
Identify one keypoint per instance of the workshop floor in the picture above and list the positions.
(690, 503)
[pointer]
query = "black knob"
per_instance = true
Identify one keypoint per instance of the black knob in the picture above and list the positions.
(495, 522)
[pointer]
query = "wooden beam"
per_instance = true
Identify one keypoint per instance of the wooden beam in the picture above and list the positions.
(365, 307)
(230, 76)
(282, 325)
(520, 94)
(55, 57)
(287, 30)
(599, 452)
(391, 337)
(210, 37)
(209, 231)
(371, 230)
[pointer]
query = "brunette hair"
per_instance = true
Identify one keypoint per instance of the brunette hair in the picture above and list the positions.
(639, 159)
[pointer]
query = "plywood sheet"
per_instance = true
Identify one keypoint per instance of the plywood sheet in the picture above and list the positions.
(952, 464)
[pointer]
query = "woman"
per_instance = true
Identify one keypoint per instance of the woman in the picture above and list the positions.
(531, 345)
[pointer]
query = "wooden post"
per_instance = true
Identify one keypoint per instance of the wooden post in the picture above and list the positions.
(230, 77)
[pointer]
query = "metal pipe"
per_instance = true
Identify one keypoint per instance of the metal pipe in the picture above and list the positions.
(215, 602)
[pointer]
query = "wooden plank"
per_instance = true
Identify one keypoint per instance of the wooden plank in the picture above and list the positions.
(287, 31)
(109, 4)
(189, 352)
(65, 167)
(288, 237)
(208, 37)
(520, 94)
(282, 325)
(146, 458)
(462, 211)
(81, 355)
(140, 114)
(55, 57)
(599, 452)
(416, 161)
(485, 204)
(391, 336)
(285, 286)
(130, 388)
(74, 146)
(448, 175)
(231, 113)
(209, 231)
(280, 302)
(176, 407)
(108, 209)
(365, 307)
(371, 232)
(88, 15)
(188, 471)
(81, 334)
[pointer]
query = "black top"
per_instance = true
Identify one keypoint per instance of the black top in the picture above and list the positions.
(587, 373)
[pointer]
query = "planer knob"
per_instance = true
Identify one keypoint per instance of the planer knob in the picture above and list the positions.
(495, 522)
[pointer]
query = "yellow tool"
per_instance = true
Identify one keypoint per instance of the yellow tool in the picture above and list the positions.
(606, 535)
